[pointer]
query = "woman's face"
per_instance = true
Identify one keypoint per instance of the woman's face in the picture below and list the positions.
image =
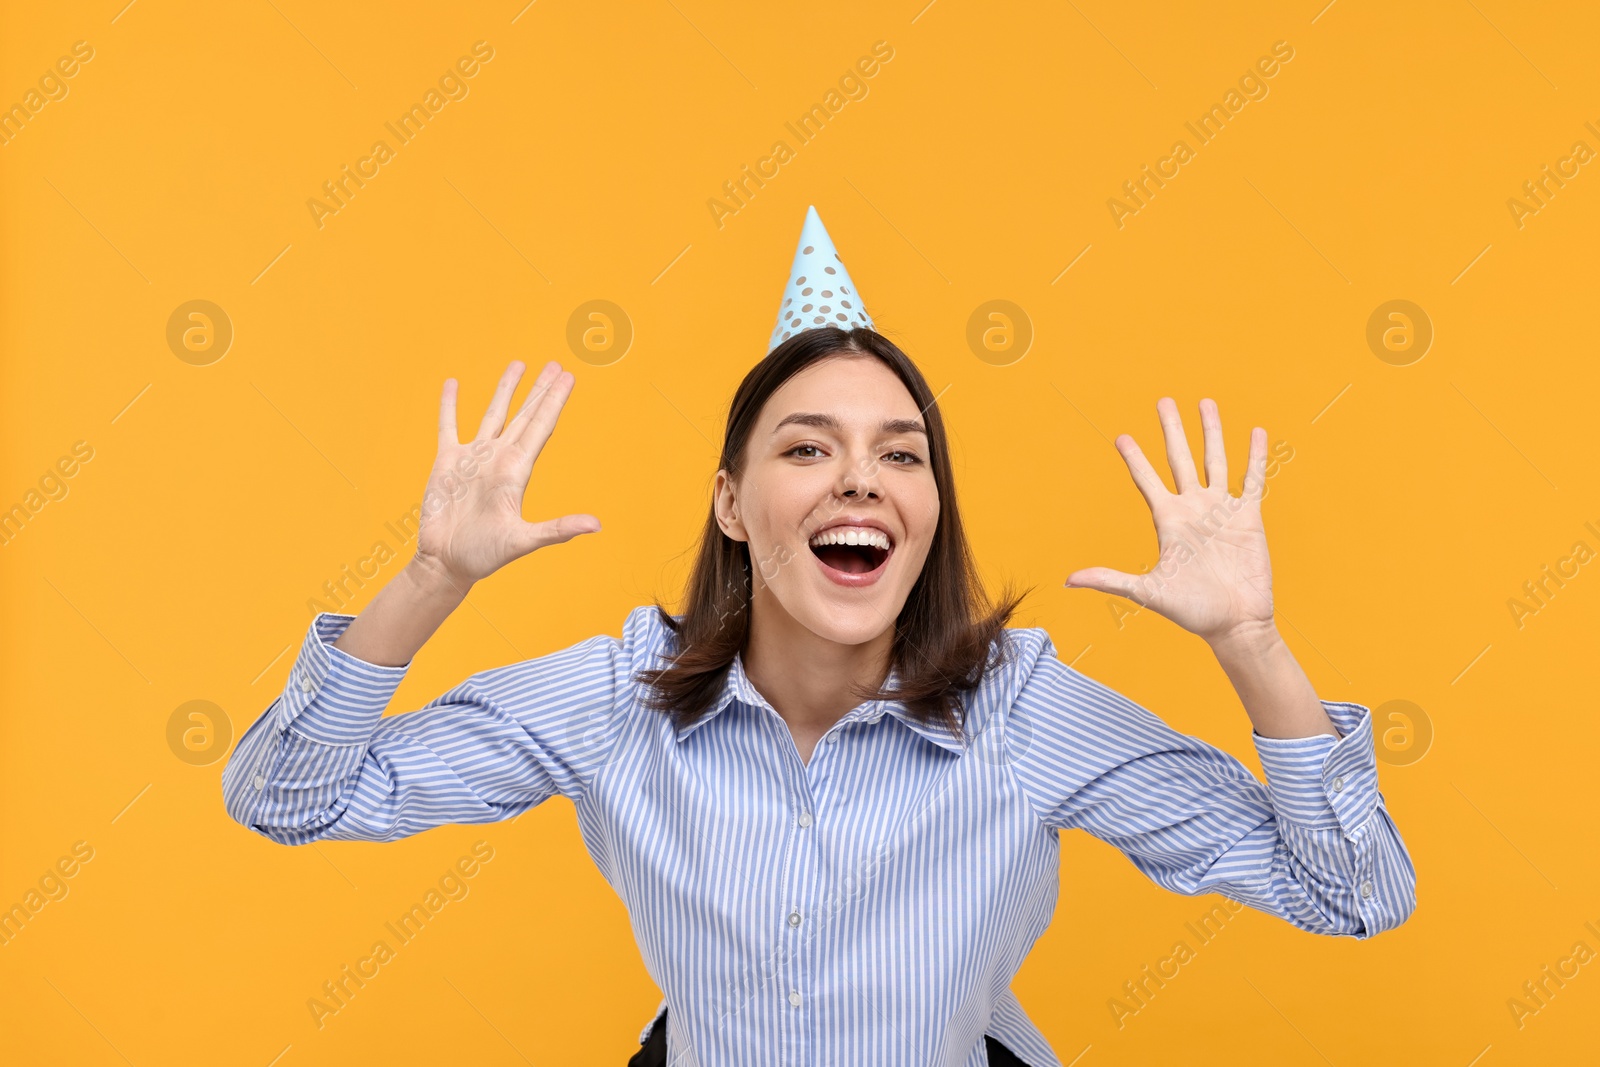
(839, 447)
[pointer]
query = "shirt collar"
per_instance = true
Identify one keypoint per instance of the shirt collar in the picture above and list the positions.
(737, 686)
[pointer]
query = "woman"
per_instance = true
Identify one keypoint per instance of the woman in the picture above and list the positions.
(830, 791)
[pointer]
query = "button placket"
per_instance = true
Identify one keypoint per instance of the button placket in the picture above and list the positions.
(804, 780)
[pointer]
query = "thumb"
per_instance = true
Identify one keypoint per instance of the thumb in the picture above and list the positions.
(535, 535)
(1118, 583)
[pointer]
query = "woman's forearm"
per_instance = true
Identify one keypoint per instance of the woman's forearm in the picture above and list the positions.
(401, 618)
(1275, 692)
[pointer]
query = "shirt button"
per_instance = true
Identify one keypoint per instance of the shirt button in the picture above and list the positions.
(305, 684)
(805, 818)
(259, 781)
(1338, 783)
(1366, 889)
(833, 738)
(794, 918)
(794, 997)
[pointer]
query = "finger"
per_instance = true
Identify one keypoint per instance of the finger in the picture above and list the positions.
(1151, 487)
(447, 416)
(1179, 458)
(536, 535)
(496, 413)
(530, 403)
(1216, 455)
(1255, 474)
(542, 418)
(1106, 580)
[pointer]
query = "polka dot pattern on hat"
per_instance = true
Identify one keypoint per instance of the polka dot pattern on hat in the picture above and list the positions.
(806, 305)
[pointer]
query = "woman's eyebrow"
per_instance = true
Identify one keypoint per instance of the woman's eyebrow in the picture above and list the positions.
(825, 421)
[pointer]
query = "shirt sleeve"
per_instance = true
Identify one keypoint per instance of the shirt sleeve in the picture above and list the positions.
(323, 763)
(1314, 845)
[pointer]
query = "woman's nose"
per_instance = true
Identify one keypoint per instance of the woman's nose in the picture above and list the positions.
(859, 481)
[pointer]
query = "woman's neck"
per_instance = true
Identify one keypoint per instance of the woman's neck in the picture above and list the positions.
(808, 678)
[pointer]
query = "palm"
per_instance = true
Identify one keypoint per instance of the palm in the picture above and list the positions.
(472, 521)
(1212, 575)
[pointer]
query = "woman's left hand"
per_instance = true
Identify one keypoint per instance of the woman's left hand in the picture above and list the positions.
(1212, 577)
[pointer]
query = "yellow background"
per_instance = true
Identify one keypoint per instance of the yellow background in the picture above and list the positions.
(179, 564)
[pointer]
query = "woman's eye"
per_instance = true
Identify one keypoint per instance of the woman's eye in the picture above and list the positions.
(911, 458)
(797, 448)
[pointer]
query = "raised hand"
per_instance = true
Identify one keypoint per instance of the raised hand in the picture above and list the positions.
(472, 521)
(1212, 577)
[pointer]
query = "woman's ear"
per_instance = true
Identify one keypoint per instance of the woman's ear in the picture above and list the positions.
(725, 504)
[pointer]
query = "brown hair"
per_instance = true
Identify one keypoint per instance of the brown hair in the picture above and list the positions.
(945, 631)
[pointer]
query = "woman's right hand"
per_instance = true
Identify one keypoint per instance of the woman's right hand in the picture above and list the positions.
(472, 508)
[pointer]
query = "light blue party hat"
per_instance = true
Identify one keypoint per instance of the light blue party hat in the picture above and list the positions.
(820, 291)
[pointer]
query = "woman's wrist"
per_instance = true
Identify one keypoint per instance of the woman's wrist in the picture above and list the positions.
(1246, 643)
(1275, 692)
(392, 629)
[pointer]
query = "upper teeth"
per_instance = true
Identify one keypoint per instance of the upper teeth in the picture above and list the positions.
(852, 535)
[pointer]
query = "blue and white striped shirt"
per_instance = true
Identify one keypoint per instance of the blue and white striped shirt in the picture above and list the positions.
(870, 906)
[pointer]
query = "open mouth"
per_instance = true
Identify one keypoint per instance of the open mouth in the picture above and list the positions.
(851, 559)
(852, 555)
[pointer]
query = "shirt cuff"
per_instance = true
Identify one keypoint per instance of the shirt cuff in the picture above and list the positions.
(1323, 782)
(331, 696)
